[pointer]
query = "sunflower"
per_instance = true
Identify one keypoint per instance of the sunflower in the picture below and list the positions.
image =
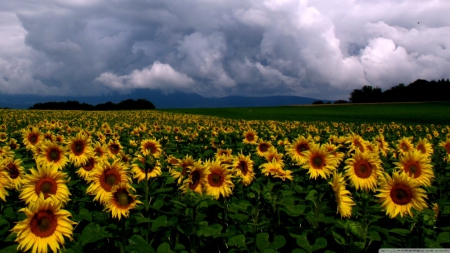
(44, 226)
(223, 152)
(121, 200)
(79, 149)
(343, 196)
(275, 169)
(104, 177)
(243, 168)
(196, 179)
(356, 142)
(100, 150)
(363, 169)
(416, 165)
(399, 194)
(46, 180)
(182, 168)
(15, 171)
(263, 147)
(31, 137)
(333, 150)
(319, 162)
(12, 144)
(142, 164)
(425, 147)
(272, 153)
(6, 151)
(218, 180)
(152, 147)
(404, 145)
(297, 147)
(250, 137)
(446, 145)
(52, 155)
(383, 146)
(4, 181)
(114, 147)
(86, 169)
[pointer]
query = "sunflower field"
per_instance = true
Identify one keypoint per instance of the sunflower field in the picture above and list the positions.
(151, 181)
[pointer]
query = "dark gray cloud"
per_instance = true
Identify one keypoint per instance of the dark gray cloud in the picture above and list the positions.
(320, 48)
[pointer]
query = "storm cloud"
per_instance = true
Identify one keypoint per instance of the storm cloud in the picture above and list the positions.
(321, 48)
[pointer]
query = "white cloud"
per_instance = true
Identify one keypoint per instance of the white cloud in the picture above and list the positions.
(158, 76)
(220, 48)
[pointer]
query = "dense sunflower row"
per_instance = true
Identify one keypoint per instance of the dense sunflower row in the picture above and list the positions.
(41, 151)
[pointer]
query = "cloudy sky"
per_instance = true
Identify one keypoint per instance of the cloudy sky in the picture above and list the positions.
(313, 48)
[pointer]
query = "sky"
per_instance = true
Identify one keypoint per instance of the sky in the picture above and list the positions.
(311, 48)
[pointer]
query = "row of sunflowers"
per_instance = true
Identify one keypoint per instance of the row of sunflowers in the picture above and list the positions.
(148, 181)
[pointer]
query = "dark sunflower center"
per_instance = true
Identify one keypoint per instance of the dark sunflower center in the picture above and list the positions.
(111, 179)
(250, 137)
(359, 146)
(401, 194)
(54, 155)
(150, 148)
(89, 164)
(114, 148)
(263, 147)
(363, 170)
(78, 148)
(215, 179)
(46, 186)
(447, 148)
(43, 223)
(13, 171)
(33, 139)
(122, 198)
(243, 167)
(317, 162)
(404, 147)
(421, 148)
(195, 176)
(413, 169)
(302, 147)
(13, 145)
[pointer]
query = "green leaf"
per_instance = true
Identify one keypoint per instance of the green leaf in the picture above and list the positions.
(137, 244)
(338, 238)
(443, 237)
(92, 233)
(239, 217)
(4, 225)
(446, 210)
(238, 240)
(278, 242)
(319, 244)
(10, 249)
(83, 214)
(303, 242)
(299, 251)
(374, 236)
(262, 241)
(211, 230)
(161, 221)
(9, 213)
(11, 238)
(164, 248)
(399, 231)
(140, 220)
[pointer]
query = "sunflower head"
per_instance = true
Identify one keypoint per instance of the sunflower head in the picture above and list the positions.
(46, 225)
(399, 194)
(121, 200)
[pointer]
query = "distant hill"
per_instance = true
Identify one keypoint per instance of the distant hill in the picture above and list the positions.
(160, 100)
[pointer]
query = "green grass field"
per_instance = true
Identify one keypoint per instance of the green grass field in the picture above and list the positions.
(406, 113)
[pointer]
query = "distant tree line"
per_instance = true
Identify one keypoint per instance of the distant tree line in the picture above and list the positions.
(419, 90)
(129, 104)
